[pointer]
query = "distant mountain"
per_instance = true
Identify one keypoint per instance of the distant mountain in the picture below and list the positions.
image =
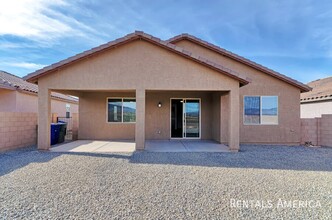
(256, 111)
(270, 111)
(125, 109)
(252, 111)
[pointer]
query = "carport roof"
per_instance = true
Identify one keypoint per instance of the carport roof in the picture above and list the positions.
(33, 77)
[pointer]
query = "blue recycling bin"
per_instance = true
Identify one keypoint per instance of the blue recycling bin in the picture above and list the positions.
(55, 131)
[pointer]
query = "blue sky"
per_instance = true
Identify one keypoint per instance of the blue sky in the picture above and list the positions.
(293, 37)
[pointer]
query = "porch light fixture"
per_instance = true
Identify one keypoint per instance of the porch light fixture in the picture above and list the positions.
(159, 105)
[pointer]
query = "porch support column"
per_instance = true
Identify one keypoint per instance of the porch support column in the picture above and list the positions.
(140, 119)
(234, 120)
(44, 118)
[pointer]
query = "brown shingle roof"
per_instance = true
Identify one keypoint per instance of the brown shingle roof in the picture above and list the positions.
(321, 90)
(10, 81)
(301, 86)
(32, 77)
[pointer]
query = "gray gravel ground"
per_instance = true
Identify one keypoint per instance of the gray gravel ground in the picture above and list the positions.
(45, 185)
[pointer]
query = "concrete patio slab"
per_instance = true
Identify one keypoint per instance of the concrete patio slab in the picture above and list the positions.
(185, 146)
(90, 146)
(205, 146)
(164, 146)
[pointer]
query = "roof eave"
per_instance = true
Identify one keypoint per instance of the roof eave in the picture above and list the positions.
(8, 87)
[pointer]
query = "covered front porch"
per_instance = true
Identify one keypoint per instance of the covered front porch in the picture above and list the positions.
(206, 121)
(123, 146)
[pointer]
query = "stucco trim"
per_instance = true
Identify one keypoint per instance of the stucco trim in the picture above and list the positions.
(137, 35)
(226, 53)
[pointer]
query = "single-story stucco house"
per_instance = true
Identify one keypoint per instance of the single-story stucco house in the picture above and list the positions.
(18, 95)
(317, 102)
(140, 87)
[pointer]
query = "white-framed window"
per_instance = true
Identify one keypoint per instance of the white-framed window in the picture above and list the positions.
(67, 110)
(260, 110)
(121, 110)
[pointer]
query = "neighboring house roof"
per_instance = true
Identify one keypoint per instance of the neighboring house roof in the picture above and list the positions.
(226, 53)
(12, 82)
(32, 77)
(321, 91)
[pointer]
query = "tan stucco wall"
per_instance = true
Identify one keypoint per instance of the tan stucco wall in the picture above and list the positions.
(7, 100)
(93, 118)
(316, 109)
(288, 129)
(138, 64)
(13, 101)
(59, 107)
(158, 119)
(26, 102)
(94, 125)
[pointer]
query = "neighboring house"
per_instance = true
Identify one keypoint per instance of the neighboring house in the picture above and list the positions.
(319, 100)
(140, 87)
(18, 95)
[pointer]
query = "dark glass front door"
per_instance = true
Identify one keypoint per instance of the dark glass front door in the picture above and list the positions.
(185, 118)
(177, 118)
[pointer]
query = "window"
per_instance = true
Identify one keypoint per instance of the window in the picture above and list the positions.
(67, 110)
(260, 110)
(121, 110)
(252, 109)
(269, 110)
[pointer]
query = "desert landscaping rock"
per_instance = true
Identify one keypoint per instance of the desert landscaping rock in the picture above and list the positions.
(147, 185)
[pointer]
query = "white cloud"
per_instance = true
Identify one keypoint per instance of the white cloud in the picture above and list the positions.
(26, 19)
(38, 20)
(25, 65)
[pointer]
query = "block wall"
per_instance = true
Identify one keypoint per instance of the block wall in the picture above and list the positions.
(318, 131)
(17, 129)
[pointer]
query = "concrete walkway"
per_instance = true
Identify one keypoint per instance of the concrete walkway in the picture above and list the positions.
(92, 146)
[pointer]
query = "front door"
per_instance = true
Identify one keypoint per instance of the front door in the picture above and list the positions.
(185, 118)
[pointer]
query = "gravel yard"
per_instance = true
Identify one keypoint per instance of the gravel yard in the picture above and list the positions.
(249, 185)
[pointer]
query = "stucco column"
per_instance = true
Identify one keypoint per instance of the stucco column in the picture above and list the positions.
(234, 120)
(44, 118)
(140, 119)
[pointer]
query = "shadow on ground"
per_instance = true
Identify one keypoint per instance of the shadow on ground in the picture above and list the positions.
(258, 157)
(15, 159)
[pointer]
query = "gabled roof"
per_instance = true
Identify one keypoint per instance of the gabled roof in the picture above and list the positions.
(226, 53)
(32, 77)
(321, 91)
(12, 82)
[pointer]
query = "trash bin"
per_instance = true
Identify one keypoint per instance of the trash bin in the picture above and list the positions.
(55, 130)
(62, 132)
